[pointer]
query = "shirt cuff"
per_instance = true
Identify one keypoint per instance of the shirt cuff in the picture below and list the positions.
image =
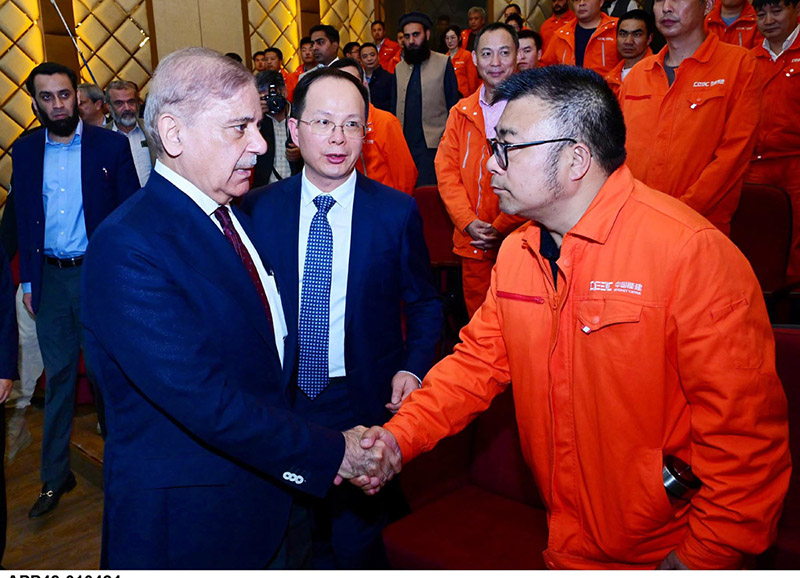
(26, 288)
(419, 381)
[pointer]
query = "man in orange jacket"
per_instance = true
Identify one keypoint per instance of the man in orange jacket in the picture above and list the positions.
(633, 331)
(384, 156)
(476, 19)
(561, 15)
(589, 41)
(464, 181)
(691, 133)
(387, 48)
(634, 35)
(776, 158)
(734, 21)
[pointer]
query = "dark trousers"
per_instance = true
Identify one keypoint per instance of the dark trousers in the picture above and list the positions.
(60, 340)
(4, 504)
(347, 524)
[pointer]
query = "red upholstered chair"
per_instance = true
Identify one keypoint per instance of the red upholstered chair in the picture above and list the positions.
(762, 229)
(785, 555)
(438, 231)
(474, 503)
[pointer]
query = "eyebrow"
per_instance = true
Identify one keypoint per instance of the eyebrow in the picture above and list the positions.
(241, 119)
(503, 131)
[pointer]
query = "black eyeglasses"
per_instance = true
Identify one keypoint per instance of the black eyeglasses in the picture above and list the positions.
(500, 149)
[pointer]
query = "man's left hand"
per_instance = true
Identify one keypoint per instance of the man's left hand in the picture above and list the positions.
(5, 389)
(672, 562)
(403, 384)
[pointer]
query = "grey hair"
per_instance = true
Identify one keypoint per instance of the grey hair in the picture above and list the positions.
(92, 91)
(477, 10)
(121, 85)
(185, 82)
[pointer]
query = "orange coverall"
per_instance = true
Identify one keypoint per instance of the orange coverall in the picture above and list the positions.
(465, 188)
(776, 158)
(386, 54)
(549, 26)
(614, 77)
(466, 72)
(693, 140)
(386, 153)
(655, 343)
(601, 50)
(743, 32)
(291, 79)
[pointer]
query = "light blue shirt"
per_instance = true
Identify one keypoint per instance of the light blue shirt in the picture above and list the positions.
(62, 191)
(64, 225)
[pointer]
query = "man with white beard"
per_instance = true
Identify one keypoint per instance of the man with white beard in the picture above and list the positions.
(122, 97)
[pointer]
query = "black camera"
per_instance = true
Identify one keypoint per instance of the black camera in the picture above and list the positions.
(274, 100)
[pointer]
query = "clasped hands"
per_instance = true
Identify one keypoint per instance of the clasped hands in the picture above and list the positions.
(371, 458)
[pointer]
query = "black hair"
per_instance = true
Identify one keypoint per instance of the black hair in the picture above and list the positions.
(369, 45)
(516, 18)
(349, 46)
(455, 28)
(265, 78)
(328, 30)
(49, 69)
(758, 4)
(639, 14)
(537, 38)
(497, 26)
(276, 51)
(301, 90)
(305, 40)
(346, 62)
(580, 103)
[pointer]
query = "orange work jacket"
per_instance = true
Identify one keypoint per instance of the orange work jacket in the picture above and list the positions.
(466, 72)
(614, 77)
(549, 26)
(465, 183)
(693, 140)
(601, 50)
(388, 50)
(291, 79)
(778, 135)
(385, 153)
(654, 342)
(743, 32)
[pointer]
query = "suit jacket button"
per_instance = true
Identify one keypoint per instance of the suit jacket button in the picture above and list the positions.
(300, 479)
(286, 475)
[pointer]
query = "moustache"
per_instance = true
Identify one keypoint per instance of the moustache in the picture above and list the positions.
(247, 163)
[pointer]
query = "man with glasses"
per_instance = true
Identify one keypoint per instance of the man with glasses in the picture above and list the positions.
(633, 331)
(464, 181)
(352, 261)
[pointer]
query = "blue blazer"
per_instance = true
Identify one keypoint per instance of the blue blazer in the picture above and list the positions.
(389, 276)
(202, 455)
(108, 177)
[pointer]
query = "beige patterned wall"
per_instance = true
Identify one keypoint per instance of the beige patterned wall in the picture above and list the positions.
(534, 12)
(114, 38)
(352, 18)
(275, 23)
(21, 49)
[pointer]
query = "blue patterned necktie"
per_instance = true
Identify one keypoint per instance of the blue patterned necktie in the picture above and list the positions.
(315, 297)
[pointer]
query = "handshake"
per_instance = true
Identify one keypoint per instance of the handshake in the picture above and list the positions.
(371, 458)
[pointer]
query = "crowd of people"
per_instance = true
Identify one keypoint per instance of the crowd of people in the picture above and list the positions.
(241, 262)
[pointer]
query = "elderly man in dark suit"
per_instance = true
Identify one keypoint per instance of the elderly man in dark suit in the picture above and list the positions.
(66, 180)
(204, 461)
(352, 259)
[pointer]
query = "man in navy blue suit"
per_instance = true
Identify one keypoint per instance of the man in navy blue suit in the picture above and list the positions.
(204, 462)
(66, 180)
(353, 261)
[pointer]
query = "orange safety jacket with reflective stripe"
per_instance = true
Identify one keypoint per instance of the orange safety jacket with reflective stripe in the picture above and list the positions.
(466, 72)
(614, 77)
(601, 50)
(743, 32)
(778, 135)
(385, 153)
(549, 26)
(693, 140)
(465, 183)
(654, 342)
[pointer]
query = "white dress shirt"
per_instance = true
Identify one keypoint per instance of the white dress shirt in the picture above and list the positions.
(340, 217)
(208, 206)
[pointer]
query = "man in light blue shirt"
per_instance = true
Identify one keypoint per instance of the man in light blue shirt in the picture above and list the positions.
(66, 180)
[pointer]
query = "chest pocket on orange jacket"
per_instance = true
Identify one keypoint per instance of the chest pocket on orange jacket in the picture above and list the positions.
(705, 99)
(597, 314)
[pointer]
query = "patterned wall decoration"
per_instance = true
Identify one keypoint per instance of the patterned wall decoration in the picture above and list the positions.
(114, 38)
(352, 18)
(534, 12)
(275, 23)
(21, 49)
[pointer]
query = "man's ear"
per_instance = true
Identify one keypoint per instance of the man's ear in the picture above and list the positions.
(580, 162)
(169, 129)
(292, 124)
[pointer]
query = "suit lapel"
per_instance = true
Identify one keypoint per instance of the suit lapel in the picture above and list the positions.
(206, 250)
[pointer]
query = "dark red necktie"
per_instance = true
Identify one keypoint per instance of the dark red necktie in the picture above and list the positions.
(224, 219)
